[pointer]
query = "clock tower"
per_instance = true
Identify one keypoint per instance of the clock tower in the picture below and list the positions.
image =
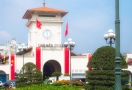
(50, 32)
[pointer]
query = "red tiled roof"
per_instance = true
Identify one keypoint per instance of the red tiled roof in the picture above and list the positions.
(27, 15)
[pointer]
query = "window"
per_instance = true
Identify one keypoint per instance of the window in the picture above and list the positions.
(46, 15)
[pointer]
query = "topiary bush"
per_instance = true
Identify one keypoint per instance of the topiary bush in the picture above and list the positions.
(102, 75)
(29, 74)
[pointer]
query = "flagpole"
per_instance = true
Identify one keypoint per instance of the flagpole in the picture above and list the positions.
(44, 3)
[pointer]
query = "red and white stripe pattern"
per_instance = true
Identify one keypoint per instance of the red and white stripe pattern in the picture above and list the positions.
(66, 60)
(38, 57)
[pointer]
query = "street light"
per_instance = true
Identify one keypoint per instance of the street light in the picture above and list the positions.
(118, 85)
(23, 52)
(110, 36)
(71, 45)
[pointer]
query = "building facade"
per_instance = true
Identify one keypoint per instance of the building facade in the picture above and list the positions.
(44, 47)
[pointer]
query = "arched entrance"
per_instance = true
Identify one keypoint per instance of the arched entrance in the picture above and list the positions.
(50, 67)
(2, 76)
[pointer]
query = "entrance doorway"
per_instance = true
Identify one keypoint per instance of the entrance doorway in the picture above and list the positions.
(50, 67)
(3, 76)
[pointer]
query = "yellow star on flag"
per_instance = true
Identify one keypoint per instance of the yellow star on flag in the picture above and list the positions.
(12, 61)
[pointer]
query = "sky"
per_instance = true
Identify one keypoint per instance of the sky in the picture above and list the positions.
(88, 21)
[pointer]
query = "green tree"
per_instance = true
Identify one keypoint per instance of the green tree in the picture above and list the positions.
(29, 74)
(57, 74)
(102, 77)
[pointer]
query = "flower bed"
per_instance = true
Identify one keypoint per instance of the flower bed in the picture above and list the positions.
(67, 82)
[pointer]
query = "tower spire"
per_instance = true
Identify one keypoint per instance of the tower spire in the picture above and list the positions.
(44, 3)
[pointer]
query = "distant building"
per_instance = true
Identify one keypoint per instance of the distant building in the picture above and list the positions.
(128, 58)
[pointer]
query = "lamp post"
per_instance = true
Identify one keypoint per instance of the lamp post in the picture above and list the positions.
(23, 52)
(110, 36)
(23, 61)
(71, 45)
(117, 46)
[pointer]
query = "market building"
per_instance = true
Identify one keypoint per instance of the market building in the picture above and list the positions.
(44, 48)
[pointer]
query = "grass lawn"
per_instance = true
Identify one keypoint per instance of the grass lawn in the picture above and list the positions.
(49, 87)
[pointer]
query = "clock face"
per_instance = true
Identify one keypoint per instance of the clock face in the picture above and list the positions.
(47, 34)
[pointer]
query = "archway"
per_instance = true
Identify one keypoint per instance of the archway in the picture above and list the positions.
(50, 67)
(3, 76)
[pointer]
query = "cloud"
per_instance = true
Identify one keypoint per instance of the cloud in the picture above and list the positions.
(88, 20)
(11, 18)
(5, 36)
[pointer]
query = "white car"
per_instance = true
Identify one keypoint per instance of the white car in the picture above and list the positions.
(1, 84)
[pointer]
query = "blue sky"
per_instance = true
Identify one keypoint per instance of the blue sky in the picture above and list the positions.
(88, 21)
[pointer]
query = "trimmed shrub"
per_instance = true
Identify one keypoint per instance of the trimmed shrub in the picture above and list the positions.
(29, 75)
(102, 77)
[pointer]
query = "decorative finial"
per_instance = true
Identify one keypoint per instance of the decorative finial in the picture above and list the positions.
(44, 3)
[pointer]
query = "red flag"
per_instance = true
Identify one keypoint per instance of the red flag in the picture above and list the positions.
(12, 67)
(89, 58)
(38, 24)
(66, 32)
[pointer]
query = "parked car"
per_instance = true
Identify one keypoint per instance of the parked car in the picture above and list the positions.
(47, 81)
(10, 83)
(1, 84)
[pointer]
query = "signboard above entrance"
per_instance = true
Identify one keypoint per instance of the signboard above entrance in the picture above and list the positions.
(51, 45)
